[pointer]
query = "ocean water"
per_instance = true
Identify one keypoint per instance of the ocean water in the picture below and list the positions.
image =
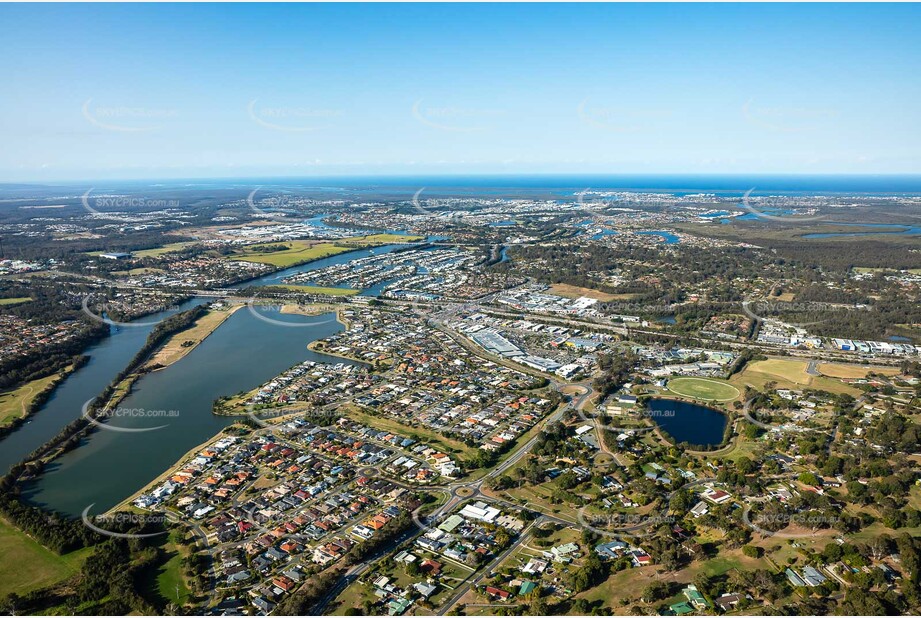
(672, 183)
(557, 186)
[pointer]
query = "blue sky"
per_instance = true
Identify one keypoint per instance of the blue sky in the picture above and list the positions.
(167, 91)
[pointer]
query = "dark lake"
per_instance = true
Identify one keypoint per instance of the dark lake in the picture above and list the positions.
(688, 422)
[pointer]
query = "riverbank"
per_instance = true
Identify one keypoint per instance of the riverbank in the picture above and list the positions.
(15, 403)
(115, 392)
(188, 456)
(18, 404)
(318, 346)
(234, 406)
(302, 252)
(181, 343)
(242, 354)
(313, 347)
(313, 309)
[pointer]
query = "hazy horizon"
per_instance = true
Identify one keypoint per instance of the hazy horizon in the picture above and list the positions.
(205, 91)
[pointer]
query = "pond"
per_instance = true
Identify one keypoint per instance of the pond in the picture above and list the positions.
(688, 422)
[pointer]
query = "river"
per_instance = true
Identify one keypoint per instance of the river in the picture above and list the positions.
(107, 358)
(110, 466)
(241, 354)
(342, 258)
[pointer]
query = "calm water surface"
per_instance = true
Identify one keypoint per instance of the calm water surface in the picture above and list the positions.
(243, 353)
(688, 422)
(107, 358)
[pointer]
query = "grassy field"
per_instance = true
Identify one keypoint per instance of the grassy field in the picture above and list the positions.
(790, 374)
(861, 269)
(705, 389)
(840, 370)
(303, 251)
(15, 301)
(789, 370)
(137, 271)
(25, 565)
(914, 497)
(759, 233)
(173, 350)
(166, 581)
(316, 289)
(158, 251)
(742, 447)
(298, 252)
(574, 291)
(434, 438)
(630, 583)
(311, 310)
(540, 497)
(14, 403)
(378, 239)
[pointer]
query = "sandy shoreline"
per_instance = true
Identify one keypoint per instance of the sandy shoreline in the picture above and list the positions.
(168, 472)
(183, 352)
(293, 309)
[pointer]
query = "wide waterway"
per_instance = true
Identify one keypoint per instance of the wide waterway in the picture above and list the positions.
(276, 278)
(110, 466)
(240, 355)
(107, 358)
